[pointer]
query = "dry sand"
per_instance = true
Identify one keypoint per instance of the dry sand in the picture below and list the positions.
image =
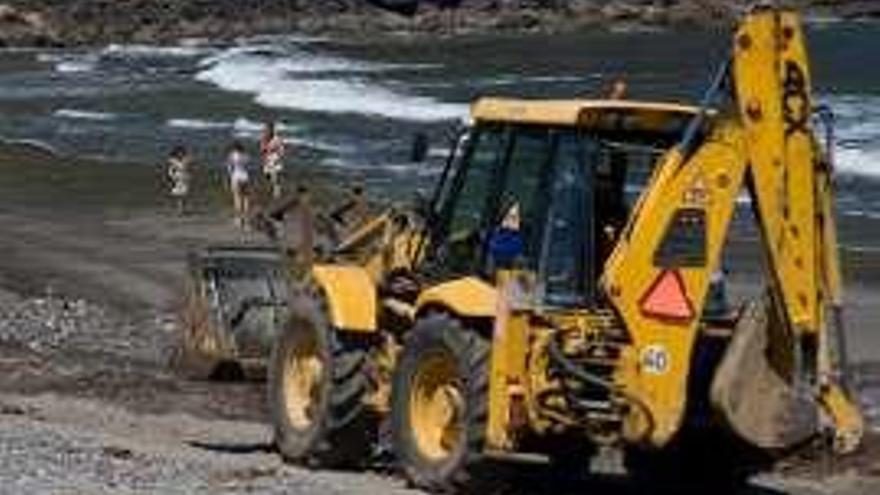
(91, 267)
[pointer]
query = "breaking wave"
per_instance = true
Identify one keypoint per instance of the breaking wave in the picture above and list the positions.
(69, 63)
(296, 79)
(73, 114)
(240, 127)
(857, 148)
(156, 51)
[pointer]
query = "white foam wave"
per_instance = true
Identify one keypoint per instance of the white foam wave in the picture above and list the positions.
(859, 160)
(358, 96)
(241, 126)
(635, 28)
(196, 124)
(182, 51)
(50, 57)
(333, 148)
(319, 83)
(857, 149)
(294, 60)
(861, 213)
(70, 113)
(301, 39)
(822, 21)
(69, 63)
(250, 127)
(261, 57)
(74, 67)
(511, 80)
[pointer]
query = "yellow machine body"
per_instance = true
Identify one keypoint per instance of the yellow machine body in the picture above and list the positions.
(350, 295)
(349, 280)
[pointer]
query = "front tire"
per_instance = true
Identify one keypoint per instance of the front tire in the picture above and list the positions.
(439, 403)
(318, 385)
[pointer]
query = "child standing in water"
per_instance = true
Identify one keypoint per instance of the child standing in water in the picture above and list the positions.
(272, 153)
(239, 182)
(179, 161)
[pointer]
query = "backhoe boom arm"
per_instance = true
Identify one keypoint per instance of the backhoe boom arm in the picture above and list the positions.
(765, 144)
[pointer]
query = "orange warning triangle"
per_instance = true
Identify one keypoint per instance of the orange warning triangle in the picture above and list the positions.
(667, 298)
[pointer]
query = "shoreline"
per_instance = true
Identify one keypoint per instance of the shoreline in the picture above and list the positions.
(47, 199)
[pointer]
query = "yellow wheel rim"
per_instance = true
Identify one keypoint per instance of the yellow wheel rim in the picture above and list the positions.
(436, 407)
(302, 380)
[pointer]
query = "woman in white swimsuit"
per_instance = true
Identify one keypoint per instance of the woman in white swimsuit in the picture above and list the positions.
(239, 182)
(179, 161)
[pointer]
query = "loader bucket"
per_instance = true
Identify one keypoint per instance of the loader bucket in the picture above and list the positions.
(753, 399)
(237, 302)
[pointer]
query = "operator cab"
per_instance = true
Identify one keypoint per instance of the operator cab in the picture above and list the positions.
(547, 187)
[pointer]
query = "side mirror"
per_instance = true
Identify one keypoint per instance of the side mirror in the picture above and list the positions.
(420, 146)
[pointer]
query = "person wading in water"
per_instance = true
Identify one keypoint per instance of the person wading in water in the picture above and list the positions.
(272, 153)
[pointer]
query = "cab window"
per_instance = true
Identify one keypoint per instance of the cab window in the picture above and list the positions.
(566, 271)
(462, 214)
(529, 158)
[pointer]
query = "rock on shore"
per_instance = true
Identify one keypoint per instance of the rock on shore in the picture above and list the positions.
(81, 22)
(25, 27)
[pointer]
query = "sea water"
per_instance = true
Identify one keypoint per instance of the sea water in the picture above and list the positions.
(349, 108)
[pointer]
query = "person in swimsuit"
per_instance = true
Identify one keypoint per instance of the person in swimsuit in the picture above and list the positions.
(239, 182)
(272, 153)
(179, 161)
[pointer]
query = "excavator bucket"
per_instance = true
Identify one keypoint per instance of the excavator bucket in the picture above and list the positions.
(236, 303)
(753, 399)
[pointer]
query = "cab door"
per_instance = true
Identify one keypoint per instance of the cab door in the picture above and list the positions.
(567, 272)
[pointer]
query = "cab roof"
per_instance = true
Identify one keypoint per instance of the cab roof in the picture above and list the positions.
(617, 115)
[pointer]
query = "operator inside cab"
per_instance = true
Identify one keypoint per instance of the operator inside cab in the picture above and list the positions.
(506, 243)
(618, 89)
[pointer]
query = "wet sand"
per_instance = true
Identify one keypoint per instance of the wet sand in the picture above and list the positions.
(99, 245)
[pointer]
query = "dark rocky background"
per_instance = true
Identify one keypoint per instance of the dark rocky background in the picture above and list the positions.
(84, 22)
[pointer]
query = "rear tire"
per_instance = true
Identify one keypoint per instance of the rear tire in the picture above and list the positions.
(439, 403)
(317, 385)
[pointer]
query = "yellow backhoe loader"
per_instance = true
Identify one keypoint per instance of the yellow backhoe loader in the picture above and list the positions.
(546, 306)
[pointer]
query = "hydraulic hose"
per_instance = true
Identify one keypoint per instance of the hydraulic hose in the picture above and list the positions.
(572, 369)
(825, 117)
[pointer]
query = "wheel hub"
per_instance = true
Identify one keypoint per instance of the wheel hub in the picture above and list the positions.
(302, 382)
(436, 407)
